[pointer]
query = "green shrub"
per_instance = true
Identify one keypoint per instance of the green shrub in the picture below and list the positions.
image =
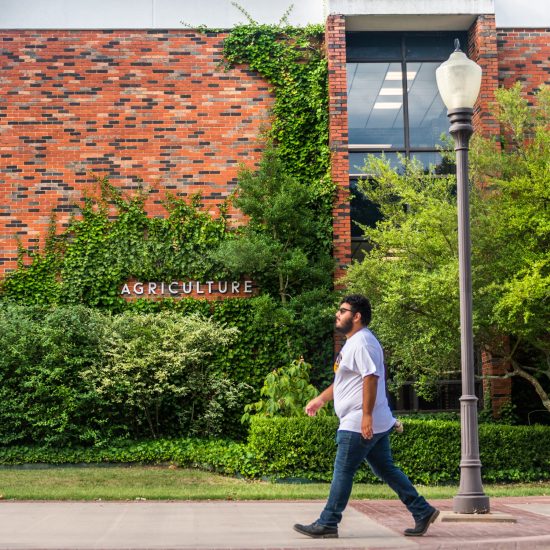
(45, 351)
(223, 456)
(44, 397)
(150, 359)
(427, 451)
(284, 393)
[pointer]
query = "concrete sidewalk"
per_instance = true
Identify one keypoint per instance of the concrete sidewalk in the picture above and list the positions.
(373, 524)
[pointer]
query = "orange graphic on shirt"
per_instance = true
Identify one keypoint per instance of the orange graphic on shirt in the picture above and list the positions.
(337, 362)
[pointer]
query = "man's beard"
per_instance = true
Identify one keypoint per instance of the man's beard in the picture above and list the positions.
(345, 326)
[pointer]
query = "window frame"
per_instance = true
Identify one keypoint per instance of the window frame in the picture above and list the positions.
(406, 150)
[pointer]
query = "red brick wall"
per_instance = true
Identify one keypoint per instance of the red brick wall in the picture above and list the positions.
(524, 55)
(496, 388)
(150, 105)
(335, 38)
(482, 48)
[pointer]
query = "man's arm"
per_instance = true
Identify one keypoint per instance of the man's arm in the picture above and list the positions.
(316, 403)
(370, 385)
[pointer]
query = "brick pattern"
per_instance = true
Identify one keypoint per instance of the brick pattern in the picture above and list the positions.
(134, 105)
(524, 55)
(532, 530)
(498, 390)
(335, 39)
(482, 48)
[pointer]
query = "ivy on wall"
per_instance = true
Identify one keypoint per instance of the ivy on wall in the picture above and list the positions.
(112, 240)
(293, 61)
(100, 250)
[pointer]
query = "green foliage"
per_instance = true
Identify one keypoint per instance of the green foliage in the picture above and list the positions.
(150, 359)
(506, 413)
(411, 273)
(73, 375)
(292, 60)
(113, 240)
(428, 451)
(278, 247)
(219, 455)
(44, 396)
(285, 392)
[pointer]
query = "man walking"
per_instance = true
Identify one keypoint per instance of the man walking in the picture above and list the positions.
(366, 421)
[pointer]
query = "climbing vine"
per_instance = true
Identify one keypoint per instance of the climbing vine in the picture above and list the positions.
(113, 239)
(101, 249)
(293, 61)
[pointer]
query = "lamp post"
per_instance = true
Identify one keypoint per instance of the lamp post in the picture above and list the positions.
(459, 81)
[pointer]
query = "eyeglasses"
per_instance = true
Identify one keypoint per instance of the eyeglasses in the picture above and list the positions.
(343, 310)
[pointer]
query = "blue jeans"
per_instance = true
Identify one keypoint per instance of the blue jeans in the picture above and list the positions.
(353, 449)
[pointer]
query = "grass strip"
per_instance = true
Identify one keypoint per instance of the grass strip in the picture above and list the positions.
(170, 483)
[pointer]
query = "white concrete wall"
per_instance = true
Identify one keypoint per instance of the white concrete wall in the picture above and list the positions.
(410, 7)
(519, 13)
(168, 14)
(151, 14)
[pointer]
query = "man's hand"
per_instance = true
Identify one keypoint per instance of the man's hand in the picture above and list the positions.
(314, 405)
(370, 385)
(366, 426)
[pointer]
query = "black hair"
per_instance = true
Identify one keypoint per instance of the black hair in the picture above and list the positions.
(359, 304)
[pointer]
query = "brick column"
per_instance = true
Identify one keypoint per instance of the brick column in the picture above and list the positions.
(498, 390)
(482, 48)
(335, 40)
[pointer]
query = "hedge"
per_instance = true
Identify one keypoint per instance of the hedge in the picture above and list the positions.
(284, 448)
(428, 451)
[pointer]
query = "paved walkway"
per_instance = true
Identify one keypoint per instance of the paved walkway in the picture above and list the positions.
(222, 525)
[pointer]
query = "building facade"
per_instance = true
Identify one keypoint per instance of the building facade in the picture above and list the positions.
(130, 91)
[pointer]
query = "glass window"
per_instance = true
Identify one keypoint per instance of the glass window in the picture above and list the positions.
(394, 107)
(357, 161)
(363, 211)
(434, 159)
(427, 112)
(373, 45)
(433, 46)
(375, 105)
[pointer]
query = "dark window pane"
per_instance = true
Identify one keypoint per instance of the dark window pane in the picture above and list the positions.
(441, 165)
(357, 161)
(433, 46)
(427, 113)
(359, 247)
(362, 211)
(372, 45)
(375, 104)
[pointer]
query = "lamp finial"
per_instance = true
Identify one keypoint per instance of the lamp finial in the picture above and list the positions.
(457, 45)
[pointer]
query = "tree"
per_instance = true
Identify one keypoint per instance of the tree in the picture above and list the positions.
(279, 245)
(411, 273)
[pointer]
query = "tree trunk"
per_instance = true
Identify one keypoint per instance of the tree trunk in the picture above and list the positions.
(544, 397)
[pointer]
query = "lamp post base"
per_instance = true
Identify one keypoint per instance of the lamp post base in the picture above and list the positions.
(471, 504)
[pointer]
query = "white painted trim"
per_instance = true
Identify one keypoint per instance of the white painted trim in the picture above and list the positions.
(410, 7)
(151, 14)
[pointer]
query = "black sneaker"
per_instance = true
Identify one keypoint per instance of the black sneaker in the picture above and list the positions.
(421, 526)
(317, 531)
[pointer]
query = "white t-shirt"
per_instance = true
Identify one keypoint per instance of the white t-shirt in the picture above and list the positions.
(361, 356)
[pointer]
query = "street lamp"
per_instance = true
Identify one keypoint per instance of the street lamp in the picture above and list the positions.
(459, 81)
